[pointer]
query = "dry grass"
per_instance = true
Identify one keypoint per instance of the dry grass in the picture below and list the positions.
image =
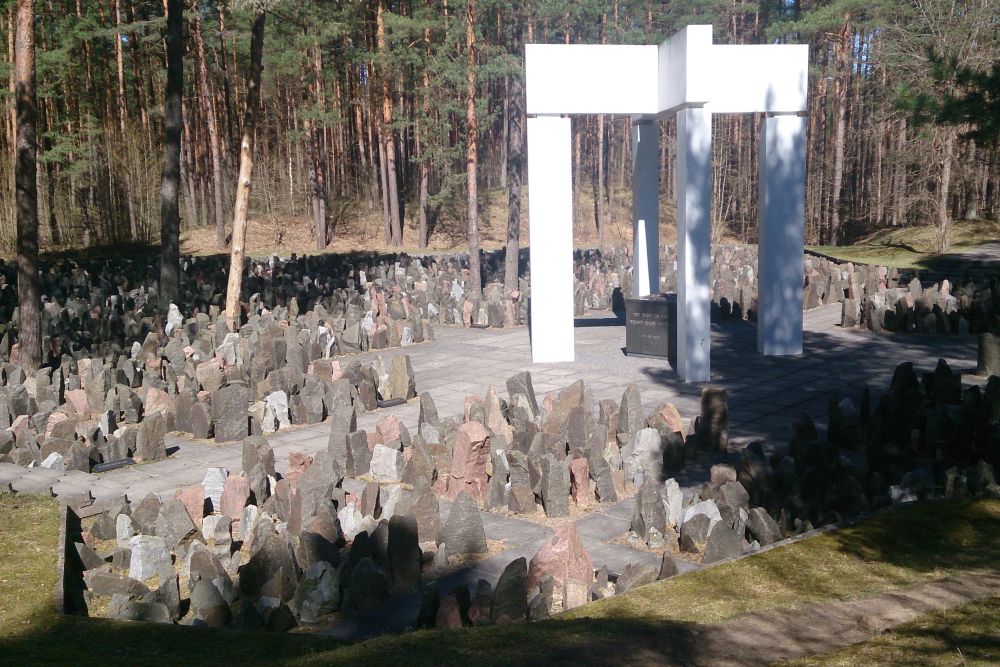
(897, 549)
(357, 227)
(912, 247)
(965, 635)
(29, 536)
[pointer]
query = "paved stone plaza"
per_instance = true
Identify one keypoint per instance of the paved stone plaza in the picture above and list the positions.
(765, 393)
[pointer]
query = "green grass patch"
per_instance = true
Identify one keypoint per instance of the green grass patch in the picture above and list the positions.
(654, 623)
(29, 541)
(896, 549)
(965, 635)
(913, 247)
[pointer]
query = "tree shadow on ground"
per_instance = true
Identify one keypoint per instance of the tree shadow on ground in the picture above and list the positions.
(967, 634)
(849, 360)
(604, 641)
(587, 322)
(930, 535)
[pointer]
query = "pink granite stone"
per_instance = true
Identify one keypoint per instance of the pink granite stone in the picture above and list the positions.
(565, 559)
(579, 473)
(193, 498)
(77, 400)
(157, 400)
(468, 462)
(449, 614)
(298, 463)
(235, 494)
(389, 428)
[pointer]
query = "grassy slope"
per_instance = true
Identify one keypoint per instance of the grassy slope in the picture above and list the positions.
(913, 247)
(649, 624)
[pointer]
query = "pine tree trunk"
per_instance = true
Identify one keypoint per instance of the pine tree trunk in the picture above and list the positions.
(170, 179)
(577, 130)
(841, 85)
(318, 149)
(944, 188)
(317, 206)
(970, 202)
(228, 97)
(599, 200)
(383, 176)
(208, 108)
(422, 142)
(120, 69)
(505, 135)
(472, 157)
(366, 178)
(187, 162)
(899, 179)
(26, 171)
(123, 115)
(238, 251)
(12, 73)
(515, 156)
(391, 176)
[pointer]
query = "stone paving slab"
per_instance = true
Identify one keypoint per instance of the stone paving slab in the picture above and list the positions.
(11, 471)
(490, 518)
(617, 556)
(28, 484)
(623, 509)
(514, 531)
(602, 526)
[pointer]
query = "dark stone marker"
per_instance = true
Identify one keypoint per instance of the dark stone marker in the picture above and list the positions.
(723, 543)
(369, 588)
(651, 327)
(555, 487)
(636, 575)
(359, 457)
(464, 533)
(510, 601)
(229, 412)
(404, 553)
(713, 425)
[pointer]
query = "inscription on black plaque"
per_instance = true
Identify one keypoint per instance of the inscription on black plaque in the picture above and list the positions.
(651, 326)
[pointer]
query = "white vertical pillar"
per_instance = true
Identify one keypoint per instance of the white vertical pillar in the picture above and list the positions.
(781, 218)
(550, 229)
(694, 246)
(645, 208)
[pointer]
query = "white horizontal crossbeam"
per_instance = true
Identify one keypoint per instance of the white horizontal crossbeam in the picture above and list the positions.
(684, 71)
(588, 79)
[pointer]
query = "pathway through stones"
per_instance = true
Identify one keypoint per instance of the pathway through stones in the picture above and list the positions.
(765, 393)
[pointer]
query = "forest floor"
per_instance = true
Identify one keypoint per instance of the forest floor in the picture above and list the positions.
(916, 247)
(357, 226)
(917, 585)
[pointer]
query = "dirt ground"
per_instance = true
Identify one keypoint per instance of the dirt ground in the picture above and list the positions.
(358, 226)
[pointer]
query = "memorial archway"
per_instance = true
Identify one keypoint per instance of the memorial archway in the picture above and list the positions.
(688, 76)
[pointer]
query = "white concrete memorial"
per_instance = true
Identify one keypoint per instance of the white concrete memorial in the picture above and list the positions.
(689, 76)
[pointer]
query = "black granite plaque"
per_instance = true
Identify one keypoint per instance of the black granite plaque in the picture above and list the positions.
(651, 326)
